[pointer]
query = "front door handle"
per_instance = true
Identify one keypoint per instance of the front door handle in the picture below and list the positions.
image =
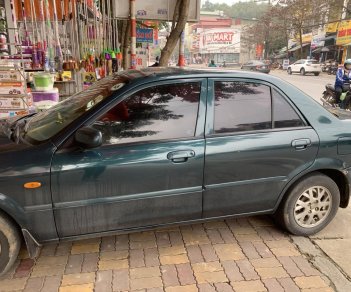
(301, 144)
(181, 155)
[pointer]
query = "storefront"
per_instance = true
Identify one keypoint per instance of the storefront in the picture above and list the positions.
(343, 40)
(220, 45)
(52, 49)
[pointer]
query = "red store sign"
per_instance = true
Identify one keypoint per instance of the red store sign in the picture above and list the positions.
(218, 37)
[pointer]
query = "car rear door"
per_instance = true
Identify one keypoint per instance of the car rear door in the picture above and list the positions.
(256, 142)
(149, 170)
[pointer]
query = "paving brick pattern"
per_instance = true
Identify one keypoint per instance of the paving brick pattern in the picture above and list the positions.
(249, 254)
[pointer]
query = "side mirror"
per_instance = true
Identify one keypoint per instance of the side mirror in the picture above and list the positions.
(88, 137)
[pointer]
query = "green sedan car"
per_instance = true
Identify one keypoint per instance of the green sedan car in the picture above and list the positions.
(150, 148)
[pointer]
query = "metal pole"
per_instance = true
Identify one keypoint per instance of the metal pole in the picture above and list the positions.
(133, 35)
(181, 59)
(12, 22)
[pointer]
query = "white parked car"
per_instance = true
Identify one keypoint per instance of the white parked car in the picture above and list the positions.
(304, 66)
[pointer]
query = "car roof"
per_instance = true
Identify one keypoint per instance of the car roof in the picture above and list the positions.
(152, 73)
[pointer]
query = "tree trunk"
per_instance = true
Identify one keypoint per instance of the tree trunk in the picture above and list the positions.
(125, 45)
(301, 48)
(175, 34)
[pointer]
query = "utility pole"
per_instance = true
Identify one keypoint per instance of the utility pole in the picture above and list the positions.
(133, 35)
(181, 59)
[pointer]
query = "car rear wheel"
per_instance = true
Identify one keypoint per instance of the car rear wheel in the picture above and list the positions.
(10, 242)
(316, 74)
(310, 205)
(289, 71)
(302, 71)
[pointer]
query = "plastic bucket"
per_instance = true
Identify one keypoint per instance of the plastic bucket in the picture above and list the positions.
(43, 81)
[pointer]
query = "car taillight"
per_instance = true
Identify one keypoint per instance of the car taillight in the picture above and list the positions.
(258, 67)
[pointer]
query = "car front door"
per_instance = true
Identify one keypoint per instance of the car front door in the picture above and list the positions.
(255, 143)
(149, 169)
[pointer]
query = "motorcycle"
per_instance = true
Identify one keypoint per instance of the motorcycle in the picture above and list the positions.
(329, 96)
(332, 68)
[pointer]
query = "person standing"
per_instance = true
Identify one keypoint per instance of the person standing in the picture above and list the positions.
(212, 64)
(157, 62)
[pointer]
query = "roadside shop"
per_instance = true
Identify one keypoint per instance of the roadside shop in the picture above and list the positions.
(50, 49)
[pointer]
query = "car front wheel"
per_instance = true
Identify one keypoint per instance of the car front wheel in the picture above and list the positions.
(310, 205)
(10, 243)
(289, 71)
(302, 71)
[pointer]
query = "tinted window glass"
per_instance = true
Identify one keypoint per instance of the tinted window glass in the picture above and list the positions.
(284, 115)
(312, 62)
(242, 106)
(158, 112)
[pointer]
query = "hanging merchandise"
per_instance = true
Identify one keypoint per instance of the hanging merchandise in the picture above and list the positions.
(71, 64)
(14, 20)
(35, 61)
(42, 44)
(3, 31)
(64, 32)
(49, 56)
(58, 49)
(26, 41)
(26, 49)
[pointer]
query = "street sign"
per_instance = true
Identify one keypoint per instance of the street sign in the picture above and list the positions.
(155, 10)
(145, 35)
(286, 64)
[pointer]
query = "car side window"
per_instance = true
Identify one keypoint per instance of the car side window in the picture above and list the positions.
(284, 116)
(241, 106)
(155, 113)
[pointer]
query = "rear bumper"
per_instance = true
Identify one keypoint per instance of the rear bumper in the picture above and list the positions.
(313, 70)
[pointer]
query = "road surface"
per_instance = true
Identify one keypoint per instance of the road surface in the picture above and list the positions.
(310, 84)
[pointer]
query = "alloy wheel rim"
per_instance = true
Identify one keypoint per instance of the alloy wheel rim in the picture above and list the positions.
(313, 207)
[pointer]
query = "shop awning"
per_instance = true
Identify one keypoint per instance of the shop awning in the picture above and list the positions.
(298, 47)
(329, 38)
(280, 56)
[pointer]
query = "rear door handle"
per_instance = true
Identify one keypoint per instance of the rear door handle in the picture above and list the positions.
(301, 144)
(181, 155)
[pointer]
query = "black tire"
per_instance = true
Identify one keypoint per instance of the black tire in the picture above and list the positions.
(10, 243)
(316, 74)
(302, 71)
(289, 71)
(287, 212)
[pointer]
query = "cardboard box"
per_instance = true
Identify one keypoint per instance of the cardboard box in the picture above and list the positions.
(12, 103)
(11, 88)
(11, 75)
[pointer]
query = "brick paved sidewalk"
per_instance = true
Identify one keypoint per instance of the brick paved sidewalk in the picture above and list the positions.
(249, 254)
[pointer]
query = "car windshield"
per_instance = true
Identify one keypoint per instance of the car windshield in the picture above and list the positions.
(46, 124)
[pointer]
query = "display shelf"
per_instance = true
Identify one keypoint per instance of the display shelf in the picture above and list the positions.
(14, 95)
(9, 81)
(33, 70)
